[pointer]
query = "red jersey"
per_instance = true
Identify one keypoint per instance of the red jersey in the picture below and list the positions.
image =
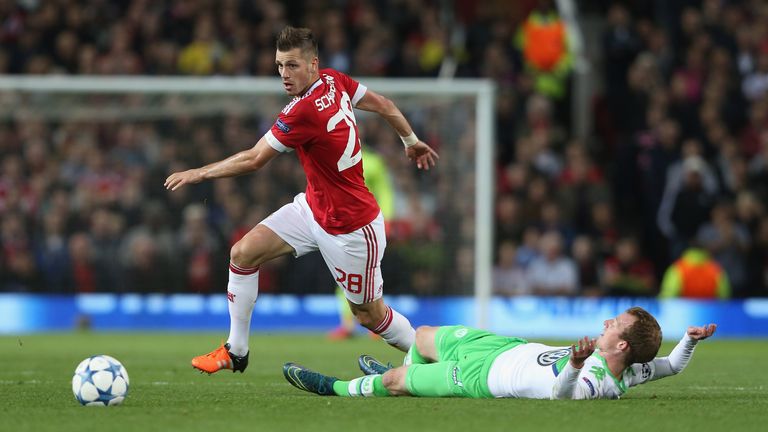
(320, 126)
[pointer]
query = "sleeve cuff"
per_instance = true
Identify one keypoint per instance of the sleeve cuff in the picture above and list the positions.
(275, 143)
(361, 89)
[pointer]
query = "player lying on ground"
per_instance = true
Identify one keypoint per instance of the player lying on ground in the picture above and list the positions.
(463, 362)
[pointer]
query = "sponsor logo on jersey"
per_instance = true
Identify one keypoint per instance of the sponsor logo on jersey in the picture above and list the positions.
(282, 126)
(551, 357)
(460, 333)
(455, 377)
(591, 386)
(598, 372)
(645, 371)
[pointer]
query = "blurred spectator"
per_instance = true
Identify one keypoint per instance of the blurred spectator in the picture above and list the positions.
(603, 228)
(580, 185)
(84, 271)
(204, 55)
(756, 81)
(751, 135)
(727, 242)
(620, 45)
(106, 234)
(19, 271)
(687, 202)
(52, 253)
(587, 266)
(627, 273)
(530, 248)
(553, 273)
(120, 59)
(543, 40)
(155, 224)
(538, 193)
(201, 252)
(749, 211)
(147, 270)
(509, 222)
(758, 167)
(509, 278)
(695, 275)
(758, 261)
(551, 220)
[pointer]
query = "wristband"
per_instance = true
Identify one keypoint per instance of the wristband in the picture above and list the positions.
(410, 140)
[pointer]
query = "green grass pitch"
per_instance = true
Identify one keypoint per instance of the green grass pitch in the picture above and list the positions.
(725, 388)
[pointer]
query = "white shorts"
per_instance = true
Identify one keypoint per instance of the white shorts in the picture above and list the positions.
(354, 259)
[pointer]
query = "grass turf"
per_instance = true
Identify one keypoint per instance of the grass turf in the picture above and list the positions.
(722, 389)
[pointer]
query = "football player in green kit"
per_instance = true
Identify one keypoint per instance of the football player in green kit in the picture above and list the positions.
(457, 361)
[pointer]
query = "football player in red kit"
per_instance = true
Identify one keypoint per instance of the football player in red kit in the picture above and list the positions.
(336, 215)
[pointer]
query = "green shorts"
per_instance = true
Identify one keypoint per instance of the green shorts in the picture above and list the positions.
(465, 356)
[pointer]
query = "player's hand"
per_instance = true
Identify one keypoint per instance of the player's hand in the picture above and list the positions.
(582, 352)
(422, 154)
(179, 179)
(701, 333)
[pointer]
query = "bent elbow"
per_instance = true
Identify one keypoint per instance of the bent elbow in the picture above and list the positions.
(389, 107)
(381, 105)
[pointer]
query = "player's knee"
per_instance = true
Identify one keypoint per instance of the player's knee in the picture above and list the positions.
(365, 318)
(244, 255)
(425, 338)
(370, 315)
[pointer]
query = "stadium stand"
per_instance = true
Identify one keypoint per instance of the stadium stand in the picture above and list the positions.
(679, 153)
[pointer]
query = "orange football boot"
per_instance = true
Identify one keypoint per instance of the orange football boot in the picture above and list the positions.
(219, 359)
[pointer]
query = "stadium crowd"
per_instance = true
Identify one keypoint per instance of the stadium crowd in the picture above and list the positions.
(677, 164)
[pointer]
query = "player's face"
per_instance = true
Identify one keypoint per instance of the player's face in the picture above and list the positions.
(297, 71)
(612, 330)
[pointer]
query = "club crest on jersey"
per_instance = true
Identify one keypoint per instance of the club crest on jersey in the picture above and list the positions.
(551, 357)
(645, 371)
(282, 126)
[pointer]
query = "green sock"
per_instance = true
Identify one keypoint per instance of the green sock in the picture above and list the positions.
(367, 386)
(414, 357)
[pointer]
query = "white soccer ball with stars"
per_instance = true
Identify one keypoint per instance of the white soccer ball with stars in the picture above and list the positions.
(100, 380)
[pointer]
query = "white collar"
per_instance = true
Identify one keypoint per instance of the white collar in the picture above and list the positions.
(314, 86)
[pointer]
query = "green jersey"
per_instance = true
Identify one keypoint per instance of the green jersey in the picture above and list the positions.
(539, 371)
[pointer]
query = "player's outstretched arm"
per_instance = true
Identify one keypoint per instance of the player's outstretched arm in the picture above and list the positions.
(240, 163)
(680, 356)
(416, 150)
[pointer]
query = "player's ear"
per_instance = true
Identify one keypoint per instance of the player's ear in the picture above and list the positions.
(623, 346)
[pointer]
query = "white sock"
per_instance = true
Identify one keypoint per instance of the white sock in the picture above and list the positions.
(362, 386)
(396, 330)
(242, 290)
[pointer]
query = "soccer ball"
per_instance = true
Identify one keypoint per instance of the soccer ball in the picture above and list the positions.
(100, 380)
